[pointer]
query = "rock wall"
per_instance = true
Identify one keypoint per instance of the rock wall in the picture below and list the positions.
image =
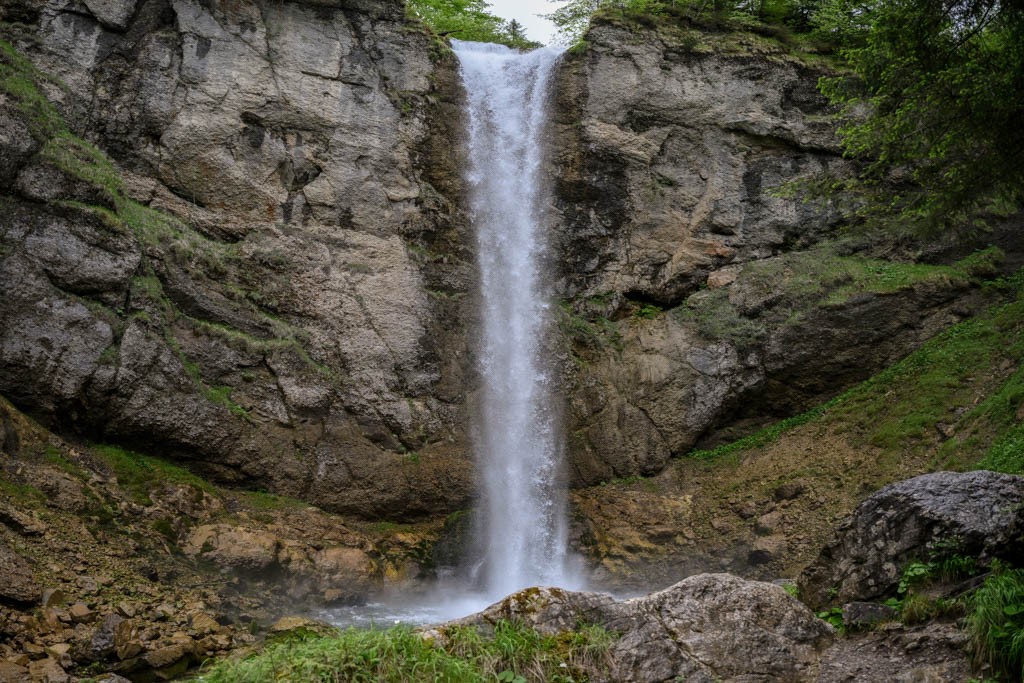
(272, 279)
(695, 296)
(300, 326)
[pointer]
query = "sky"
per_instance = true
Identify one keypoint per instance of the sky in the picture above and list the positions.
(526, 11)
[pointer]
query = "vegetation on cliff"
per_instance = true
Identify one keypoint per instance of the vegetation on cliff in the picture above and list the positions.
(469, 20)
(931, 115)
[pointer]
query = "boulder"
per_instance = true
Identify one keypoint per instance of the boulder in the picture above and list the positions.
(17, 584)
(977, 514)
(709, 627)
(233, 547)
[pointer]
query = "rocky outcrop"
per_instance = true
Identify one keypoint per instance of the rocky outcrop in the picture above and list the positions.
(710, 627)
(17, 583)
(298, 324)
(931, 517)
(111, 561)
(695, 295)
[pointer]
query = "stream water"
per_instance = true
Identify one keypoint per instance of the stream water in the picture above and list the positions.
(521, 521)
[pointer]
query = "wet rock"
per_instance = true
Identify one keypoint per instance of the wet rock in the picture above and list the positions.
(164, 657)
(128, 639)
(977, 514)
(16, 143)
(17, 583)
(202, 624)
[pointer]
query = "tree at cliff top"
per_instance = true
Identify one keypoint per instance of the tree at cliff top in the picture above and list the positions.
(934, 108)
(573, 17)
(469, 20)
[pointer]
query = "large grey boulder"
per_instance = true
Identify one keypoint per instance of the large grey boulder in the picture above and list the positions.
(978, 514)
(709, 627)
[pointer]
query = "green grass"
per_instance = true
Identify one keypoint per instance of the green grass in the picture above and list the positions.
(511, 653)
(19, 79)
(140, 474)
(898, 409)
(995, 622)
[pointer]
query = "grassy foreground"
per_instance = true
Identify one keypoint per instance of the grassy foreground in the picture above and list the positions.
(513, 653)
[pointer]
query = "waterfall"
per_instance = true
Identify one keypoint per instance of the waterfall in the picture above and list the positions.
(518, 443)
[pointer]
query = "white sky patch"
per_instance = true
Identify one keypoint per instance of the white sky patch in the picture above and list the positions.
(525, 12)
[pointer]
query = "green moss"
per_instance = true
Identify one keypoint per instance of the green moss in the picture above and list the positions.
(785, 289)
(593, 332)
(140, 474)
(20, 80)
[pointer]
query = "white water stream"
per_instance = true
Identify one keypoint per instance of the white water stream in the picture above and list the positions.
(522, 526)
(519, 446)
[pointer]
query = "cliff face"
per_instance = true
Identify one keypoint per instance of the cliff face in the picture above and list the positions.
(272, 280)
(696, 296)
(300, 327)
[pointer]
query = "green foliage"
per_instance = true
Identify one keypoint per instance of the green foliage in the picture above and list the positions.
(648, 311)
(775, 17)
(140, 474)
(834, 616)
(915, 574)
(1006, 454)
(512, 653)
(933, 113)
(995, 622)
(469, 20)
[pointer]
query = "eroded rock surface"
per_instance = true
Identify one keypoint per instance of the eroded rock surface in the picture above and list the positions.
(709, 627)
(695, 295)
(974, 514)
(302, 326)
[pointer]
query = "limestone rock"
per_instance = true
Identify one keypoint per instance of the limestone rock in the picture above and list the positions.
(17, 583)
(718, 627)
(233, 547)
(663, 162)
(705, 628)
(977, 514)
(300, 143)
(47, 670)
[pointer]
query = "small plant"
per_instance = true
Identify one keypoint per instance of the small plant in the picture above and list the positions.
(834, 617)
(914, 574)
(648, 311)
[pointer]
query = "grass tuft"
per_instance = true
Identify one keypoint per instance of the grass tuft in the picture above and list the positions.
(996, 623)
(140, 474)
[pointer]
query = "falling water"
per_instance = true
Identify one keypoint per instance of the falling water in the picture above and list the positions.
(518, 443)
